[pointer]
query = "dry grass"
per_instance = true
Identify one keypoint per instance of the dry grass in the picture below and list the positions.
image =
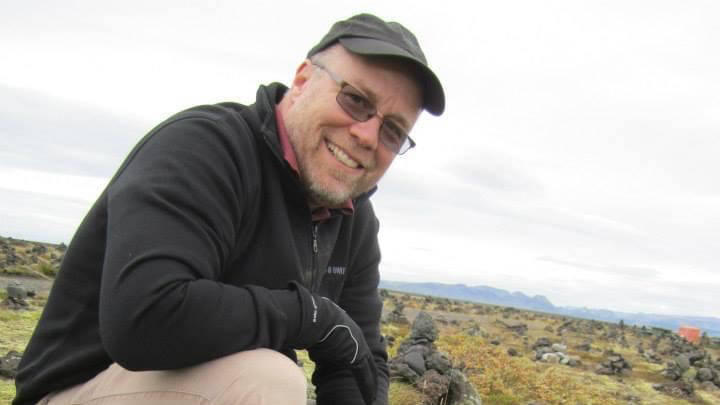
(503, 380)
(500, 379)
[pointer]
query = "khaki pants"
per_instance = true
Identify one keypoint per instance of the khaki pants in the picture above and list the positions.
(254, 377)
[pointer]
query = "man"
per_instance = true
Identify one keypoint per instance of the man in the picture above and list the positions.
(232, 234)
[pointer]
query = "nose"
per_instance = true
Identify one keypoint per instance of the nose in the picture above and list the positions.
(367, 133)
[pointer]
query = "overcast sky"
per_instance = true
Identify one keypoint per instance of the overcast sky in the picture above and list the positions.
(578, 157)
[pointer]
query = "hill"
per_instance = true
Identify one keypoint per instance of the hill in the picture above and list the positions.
(29, 259)
(496, 296)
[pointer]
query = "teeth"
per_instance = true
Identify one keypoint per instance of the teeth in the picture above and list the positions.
(342, 156)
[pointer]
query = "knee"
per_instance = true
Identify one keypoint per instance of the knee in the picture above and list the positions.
(265, 373)
(270, 365)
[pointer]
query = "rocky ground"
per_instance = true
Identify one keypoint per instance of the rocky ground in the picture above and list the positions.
(34, 260)
(448, 352)
(520, 357)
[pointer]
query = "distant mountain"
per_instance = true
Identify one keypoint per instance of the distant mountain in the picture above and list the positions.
(496, 296)
(478, 293)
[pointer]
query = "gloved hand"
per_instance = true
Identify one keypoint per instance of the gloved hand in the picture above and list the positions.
(334, 338)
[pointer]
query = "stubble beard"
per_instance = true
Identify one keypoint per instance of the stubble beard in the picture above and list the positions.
(324, 186)
(320, 193)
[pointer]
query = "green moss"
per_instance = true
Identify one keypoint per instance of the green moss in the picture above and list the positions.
(308, 368)
(15, 330)
(7, 390)
(404, 394)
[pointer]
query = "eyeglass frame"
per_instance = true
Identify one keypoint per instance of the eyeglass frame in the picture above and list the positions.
(407, 144)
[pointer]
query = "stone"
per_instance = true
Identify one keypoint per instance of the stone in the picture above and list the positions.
(403, 372)
(541, 342)
(397, 317)
(602, 370)
(704, 374)
(652, 357)
(419, 348)
(550, 358)
(9, 364)
(416, 362)
(439, 361)
(16, 290)
(679, 389)
(689, 375)
(696, 356)
(574, 361)
(520, 329)
(541, 351)
(424, 327)
(683, 362)
(461, 392)
(558, 347)
(15, 304)
(614, 364)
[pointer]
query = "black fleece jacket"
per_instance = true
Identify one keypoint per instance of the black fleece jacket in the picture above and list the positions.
(172, 265)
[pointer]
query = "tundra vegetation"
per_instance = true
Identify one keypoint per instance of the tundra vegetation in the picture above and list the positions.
(509, 356)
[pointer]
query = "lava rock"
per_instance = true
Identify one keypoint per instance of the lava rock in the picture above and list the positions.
(9, 364)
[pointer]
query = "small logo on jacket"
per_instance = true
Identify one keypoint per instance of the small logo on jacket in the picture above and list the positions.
(336, 270)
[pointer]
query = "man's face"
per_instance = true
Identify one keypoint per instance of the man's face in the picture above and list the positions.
(338, 156)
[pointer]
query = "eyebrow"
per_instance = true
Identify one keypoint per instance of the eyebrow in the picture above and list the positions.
(372, 96)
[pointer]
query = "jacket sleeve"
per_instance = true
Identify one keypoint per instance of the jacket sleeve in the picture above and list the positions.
(361, 300)
(174, 210)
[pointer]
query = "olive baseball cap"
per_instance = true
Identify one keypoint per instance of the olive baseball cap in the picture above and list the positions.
(365, 34)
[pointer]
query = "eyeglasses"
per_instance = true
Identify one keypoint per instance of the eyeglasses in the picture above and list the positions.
(356, 105)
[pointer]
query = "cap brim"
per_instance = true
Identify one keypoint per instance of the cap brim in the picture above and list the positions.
(433, 94)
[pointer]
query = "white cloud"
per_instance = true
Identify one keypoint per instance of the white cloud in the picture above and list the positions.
(582, 133)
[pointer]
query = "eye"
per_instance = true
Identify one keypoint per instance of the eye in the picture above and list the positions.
(393, 133)
(357, 100)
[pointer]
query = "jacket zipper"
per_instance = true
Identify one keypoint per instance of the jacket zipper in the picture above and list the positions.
(314, 257)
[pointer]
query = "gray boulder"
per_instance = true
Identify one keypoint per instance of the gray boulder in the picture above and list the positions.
(9, 364)
(705, 374)
(439, 361)
(424, 328)
(416, 362)
(461, 392)
(683, 362)
(16, 290)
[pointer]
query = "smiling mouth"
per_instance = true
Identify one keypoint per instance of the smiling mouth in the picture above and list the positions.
(341, 156)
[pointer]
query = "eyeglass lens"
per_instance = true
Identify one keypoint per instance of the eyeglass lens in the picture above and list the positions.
(360, 108)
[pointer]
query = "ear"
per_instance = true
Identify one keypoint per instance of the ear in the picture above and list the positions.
(302, 75)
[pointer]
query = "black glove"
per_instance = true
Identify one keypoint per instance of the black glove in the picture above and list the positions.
(334, 338)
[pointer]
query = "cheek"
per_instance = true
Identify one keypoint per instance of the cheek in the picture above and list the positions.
(383, 161)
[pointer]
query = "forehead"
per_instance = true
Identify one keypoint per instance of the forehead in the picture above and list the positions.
(389, 83)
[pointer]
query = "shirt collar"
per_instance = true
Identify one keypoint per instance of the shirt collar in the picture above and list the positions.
(321, 213)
